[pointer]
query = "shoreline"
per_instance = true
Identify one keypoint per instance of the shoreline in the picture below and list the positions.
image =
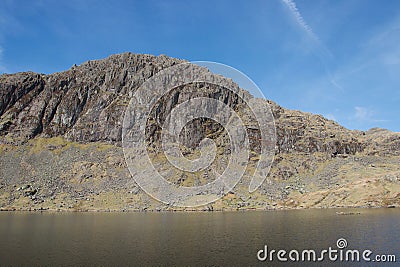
(47, 210)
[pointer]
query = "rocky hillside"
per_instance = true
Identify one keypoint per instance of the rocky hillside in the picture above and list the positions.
(60, 146)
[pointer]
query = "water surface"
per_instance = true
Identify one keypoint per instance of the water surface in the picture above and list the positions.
(189, 239)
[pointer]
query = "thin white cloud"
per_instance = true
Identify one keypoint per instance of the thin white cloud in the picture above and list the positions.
(330, 117)
(361, 113)
(381, 50)
(334, 82)
(300, 20)
(320, 50)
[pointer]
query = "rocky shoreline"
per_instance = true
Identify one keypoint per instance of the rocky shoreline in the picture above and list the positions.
(200, 209)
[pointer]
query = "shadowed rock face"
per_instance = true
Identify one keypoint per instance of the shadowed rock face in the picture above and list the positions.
(86, 104)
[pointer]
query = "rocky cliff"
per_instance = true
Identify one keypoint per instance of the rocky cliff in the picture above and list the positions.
(60, 145)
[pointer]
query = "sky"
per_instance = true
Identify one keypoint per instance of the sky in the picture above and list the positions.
(337, 58)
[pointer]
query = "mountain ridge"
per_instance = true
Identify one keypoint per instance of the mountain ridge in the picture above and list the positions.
(81, 110)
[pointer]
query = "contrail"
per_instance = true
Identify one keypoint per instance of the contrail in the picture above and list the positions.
(321, 50)
(297, 15)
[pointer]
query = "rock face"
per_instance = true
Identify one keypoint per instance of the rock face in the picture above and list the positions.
(75, 118)
(84, 104)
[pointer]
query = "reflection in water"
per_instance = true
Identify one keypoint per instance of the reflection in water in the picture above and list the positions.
(187, 239)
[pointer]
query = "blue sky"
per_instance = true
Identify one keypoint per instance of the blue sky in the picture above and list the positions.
(338, 58)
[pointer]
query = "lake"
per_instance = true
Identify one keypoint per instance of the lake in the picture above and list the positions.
(192, 239)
